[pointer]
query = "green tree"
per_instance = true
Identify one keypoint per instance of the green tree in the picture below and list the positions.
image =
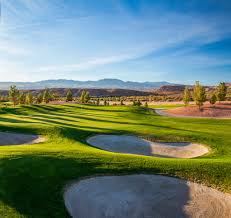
(46, 96)
(213, 99)
(82, 97)
(139, 103)
(105, 103)
(22, 98)
(39, 98)
(146, 104)
(121, 102)
(69, 96)
(221, 91)
(97, 102)
(55, 96)
(199, 94)
(87, 97)
(186, 97)
(14, 94)
(29, 98)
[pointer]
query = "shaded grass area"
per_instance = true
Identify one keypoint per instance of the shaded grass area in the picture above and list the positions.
(32, 177)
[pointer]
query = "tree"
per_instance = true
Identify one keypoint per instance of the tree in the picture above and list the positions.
(97, 102)
(14, 94)
(105, 103)
(137, 103)
(22, 98)
(82, 97)
(55, 96)
(121, 102)
(146, 104)
(46, 96)
(87, 97)
(213, 99)
(69, 96)
(39, 98)
(29, 98)
(199, 94)
(186, 97)
(221, 91)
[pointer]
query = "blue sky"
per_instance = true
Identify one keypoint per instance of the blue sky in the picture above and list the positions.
(149, 40)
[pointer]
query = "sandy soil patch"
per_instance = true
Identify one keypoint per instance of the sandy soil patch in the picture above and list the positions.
(144, 196)
(135, 145)
(7, 138)
(222, 110)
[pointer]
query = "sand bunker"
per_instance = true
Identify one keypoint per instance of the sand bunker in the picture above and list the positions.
(144, 196)
(135, 145)
(7, 138)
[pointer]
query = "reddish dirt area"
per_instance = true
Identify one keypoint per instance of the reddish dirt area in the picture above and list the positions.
(218, 110)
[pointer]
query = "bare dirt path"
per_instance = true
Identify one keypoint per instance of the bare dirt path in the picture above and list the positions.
(8, 138)
(135, 145)
(144, 196)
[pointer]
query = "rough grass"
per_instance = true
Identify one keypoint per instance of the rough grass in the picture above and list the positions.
(32, 177)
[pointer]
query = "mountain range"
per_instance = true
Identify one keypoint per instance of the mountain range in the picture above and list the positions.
(103, 83)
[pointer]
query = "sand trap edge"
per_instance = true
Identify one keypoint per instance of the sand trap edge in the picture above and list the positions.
(190, 183)
(207, 149)
(20, 139)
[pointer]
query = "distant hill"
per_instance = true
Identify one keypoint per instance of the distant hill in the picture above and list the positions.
(103, 84)
(93, 92)
(171, 88)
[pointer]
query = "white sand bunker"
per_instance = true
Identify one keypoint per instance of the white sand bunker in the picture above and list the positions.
(135, 145)
(144, 196)
(7, 138)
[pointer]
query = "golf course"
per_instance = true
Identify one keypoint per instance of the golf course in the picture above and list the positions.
(33, 177)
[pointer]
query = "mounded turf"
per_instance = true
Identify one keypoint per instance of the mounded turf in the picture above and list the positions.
(32, 177)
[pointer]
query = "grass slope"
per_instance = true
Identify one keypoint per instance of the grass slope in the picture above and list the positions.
(32, 177)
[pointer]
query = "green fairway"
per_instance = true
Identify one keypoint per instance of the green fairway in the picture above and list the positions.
(32, 177)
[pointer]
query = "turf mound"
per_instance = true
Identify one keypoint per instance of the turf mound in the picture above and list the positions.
(144, 196)
(135, 145)
(7, 138)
